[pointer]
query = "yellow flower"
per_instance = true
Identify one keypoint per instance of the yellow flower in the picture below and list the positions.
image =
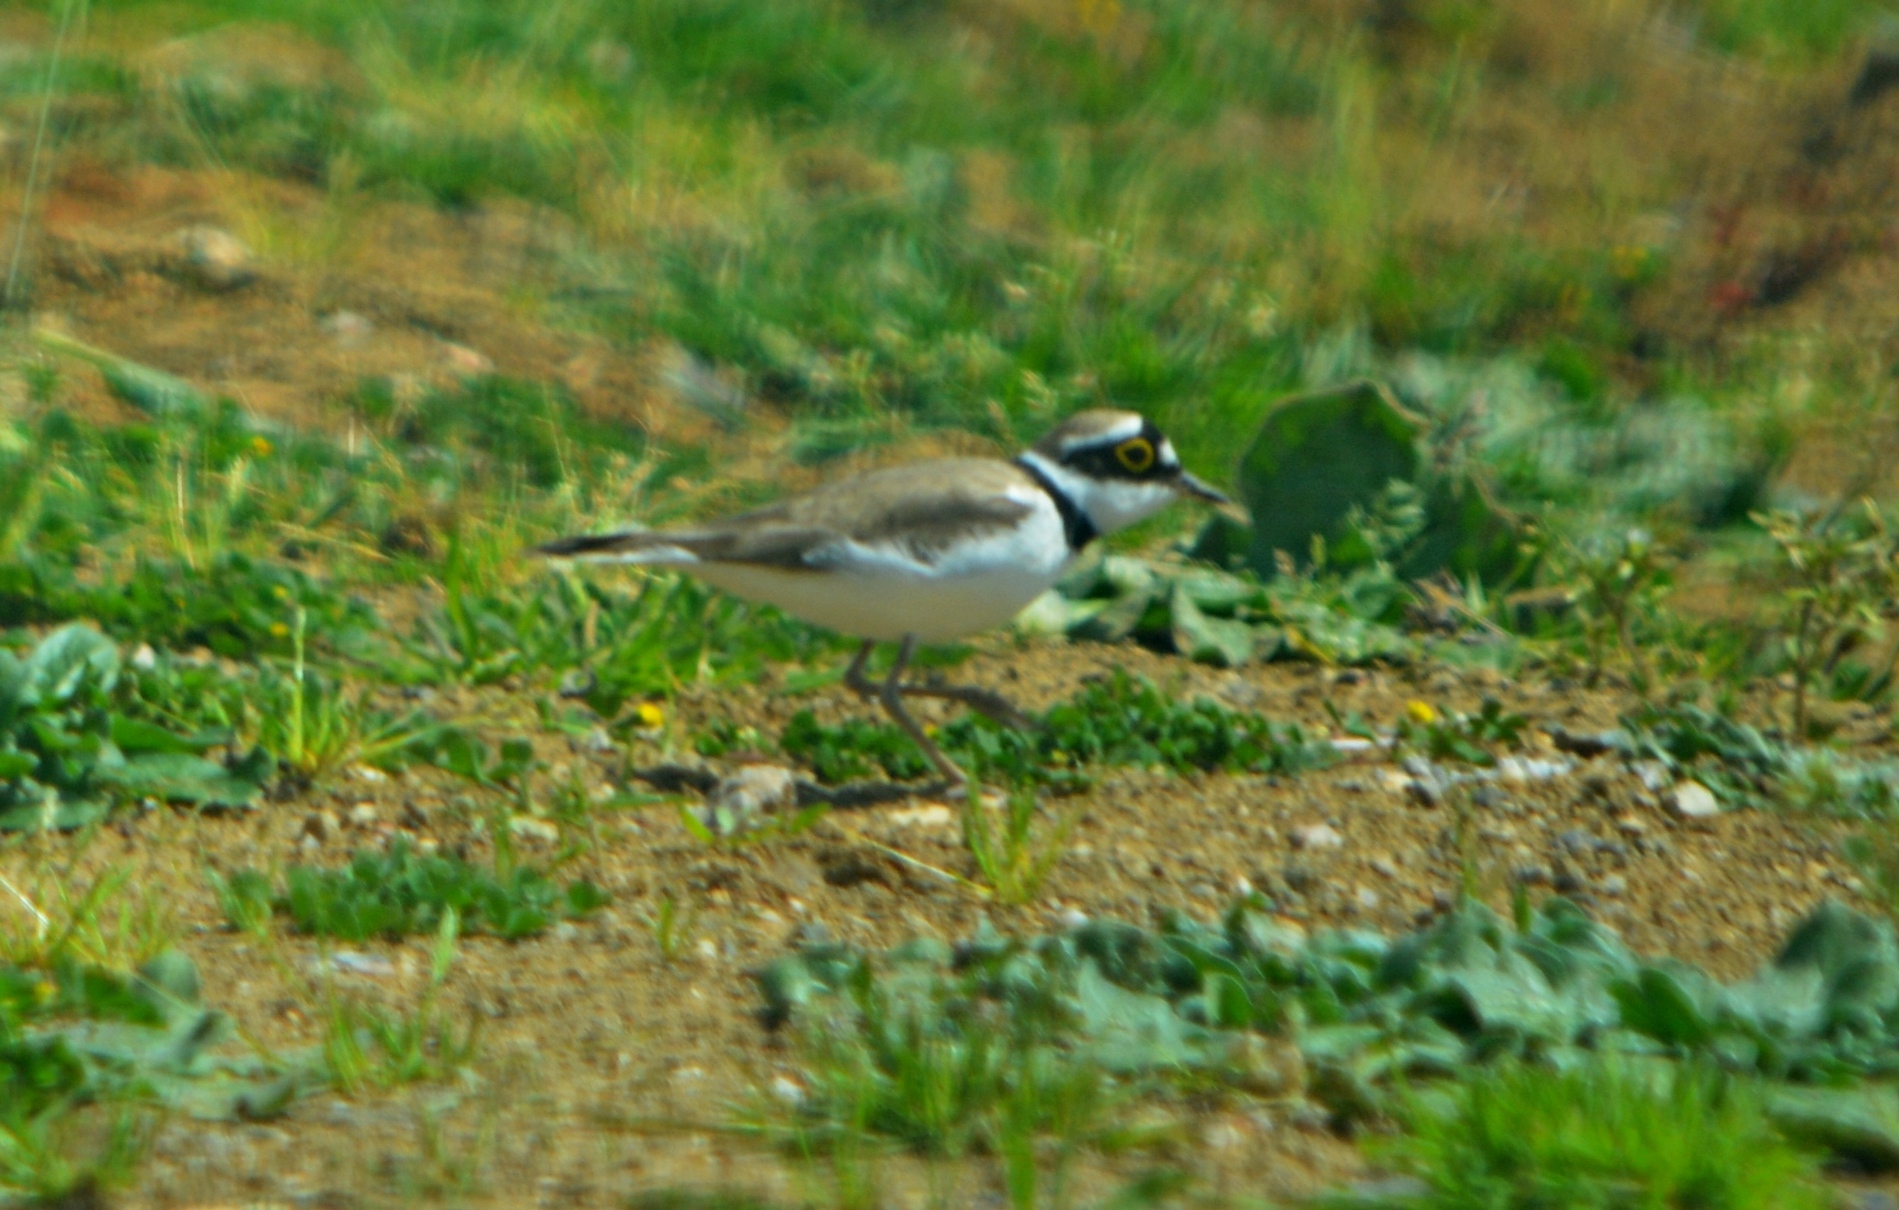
(279, 629)
(1420, 712)
(262, 447)
(649, 714)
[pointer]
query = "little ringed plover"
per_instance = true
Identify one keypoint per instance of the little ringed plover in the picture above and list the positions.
(926, 551)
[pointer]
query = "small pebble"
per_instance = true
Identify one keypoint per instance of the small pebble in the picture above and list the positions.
(1692, 800)
(1575, 840)
(464, 362)
(347, 328)
(739, 801)
(1654, 774)
(215, 259)
(1317, 836)
(928, 815)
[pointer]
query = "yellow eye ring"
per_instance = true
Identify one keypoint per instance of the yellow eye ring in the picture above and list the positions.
(1136, 454)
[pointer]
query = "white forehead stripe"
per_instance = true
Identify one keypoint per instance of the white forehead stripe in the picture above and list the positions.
(1128, 426)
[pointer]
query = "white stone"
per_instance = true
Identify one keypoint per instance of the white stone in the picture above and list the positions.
(755, 790)
(1692, 800)
(347, 328)
(216, 259)
(530, 828)
(464, 362)
(1317, 836)
(929, 815)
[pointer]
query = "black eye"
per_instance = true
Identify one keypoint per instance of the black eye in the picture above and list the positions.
(1136, 454)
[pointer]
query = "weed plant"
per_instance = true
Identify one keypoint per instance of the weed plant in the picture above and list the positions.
(69, 752)
(1011, 859)
(399, 892)
(1118, 720)
(1606, 1133)
(369, 1047)
(1616, 585)
(1843, 573)
(1455, 735)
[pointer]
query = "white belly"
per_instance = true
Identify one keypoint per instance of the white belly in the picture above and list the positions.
(876, 594)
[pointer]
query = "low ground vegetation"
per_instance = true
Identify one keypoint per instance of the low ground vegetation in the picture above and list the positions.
(836, 232)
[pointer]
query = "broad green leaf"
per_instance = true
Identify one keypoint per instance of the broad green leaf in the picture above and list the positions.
(136, 736)
(1132, 1031)
(1660, 1003)
(1221, 642)
(69, 660)
(174, 777)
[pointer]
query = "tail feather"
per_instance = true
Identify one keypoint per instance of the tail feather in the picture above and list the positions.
(627, 546)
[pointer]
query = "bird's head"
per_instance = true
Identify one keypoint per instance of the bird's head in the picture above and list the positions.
(1117, 467)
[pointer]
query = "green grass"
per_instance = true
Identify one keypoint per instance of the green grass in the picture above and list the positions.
(399, 892)
(971, 218)
(1605, 1134)
(881, 219)
(1116, 720)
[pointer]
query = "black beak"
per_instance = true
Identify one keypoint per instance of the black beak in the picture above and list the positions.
(1195, 486)
(1192, 485)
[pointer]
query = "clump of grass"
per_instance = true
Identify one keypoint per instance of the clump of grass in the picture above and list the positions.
(399, 893)
(1604, 1134)
(56, 916)
(1011, 859)
(1616, 584)
(620, 645)
(671, 926)
(69, 753)
(1456, 735)
(367, 1046)
(1118, 720)
(901, 1057)
(1842, 569)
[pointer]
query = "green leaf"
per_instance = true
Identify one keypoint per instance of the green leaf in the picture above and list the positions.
(1861, 1124)
(1221, 642)
(70, 660)
(178, 778)
(1132, 1031)
(54, 814)
(136, 736)
(584, 897)
(1660, 1003)
(1313, 458)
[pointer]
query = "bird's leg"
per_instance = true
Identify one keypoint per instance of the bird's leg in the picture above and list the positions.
(854, 678)
(983, 701)
(891, 695)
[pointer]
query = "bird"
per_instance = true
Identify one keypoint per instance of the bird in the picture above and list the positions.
(926, 551)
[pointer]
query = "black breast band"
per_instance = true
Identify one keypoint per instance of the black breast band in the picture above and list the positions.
(1075, 523)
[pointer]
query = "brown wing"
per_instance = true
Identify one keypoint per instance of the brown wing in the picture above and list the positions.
(921, 508)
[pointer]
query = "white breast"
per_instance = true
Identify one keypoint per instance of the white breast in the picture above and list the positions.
(881, 592)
